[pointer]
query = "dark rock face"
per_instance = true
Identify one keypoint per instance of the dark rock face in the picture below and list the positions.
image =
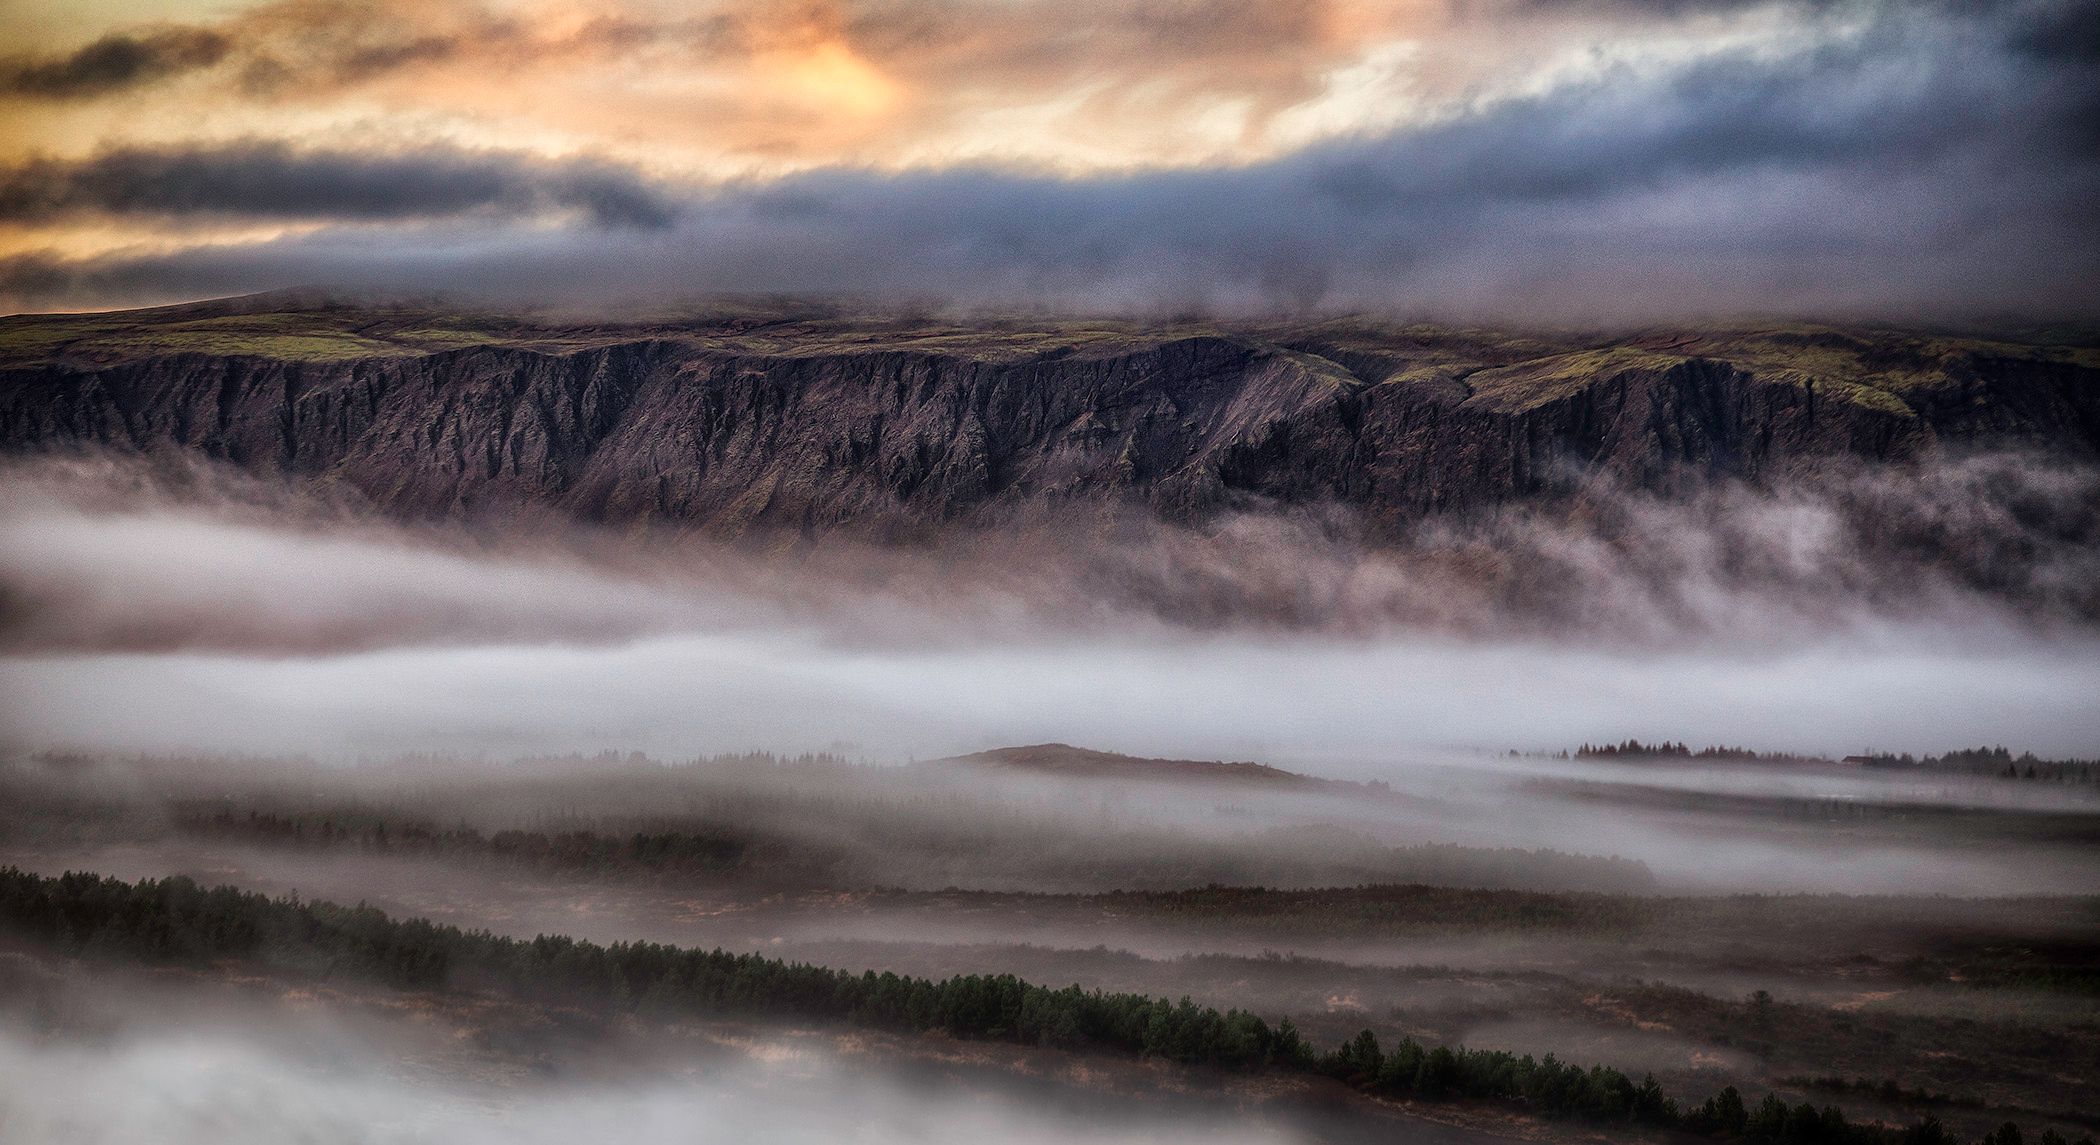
(681, 433)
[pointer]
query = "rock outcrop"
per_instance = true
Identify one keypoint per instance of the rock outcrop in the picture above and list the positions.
(892, 427)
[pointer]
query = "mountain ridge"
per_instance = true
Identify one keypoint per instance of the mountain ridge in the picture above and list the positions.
(810, 420)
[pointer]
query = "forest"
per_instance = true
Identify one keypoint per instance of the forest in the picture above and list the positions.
(176, 921)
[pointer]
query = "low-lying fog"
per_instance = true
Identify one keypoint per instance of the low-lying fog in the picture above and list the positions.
(214, 616)
(223, 1088)
(224, 615)
(1355, 706)
(93, 1052)
(1515, 826)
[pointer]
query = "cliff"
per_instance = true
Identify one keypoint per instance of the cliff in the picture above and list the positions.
(816, 419)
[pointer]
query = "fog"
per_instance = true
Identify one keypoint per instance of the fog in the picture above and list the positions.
(1448, 818)
(93, 1051)
(191, 1091)
(186, 611)
(226, 1085)
(1347, 705)
(218, 614)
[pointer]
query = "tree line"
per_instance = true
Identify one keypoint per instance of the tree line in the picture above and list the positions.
(712, 851)
(1991, 761)
(925, 849)
(1994, 761)
(1665, 749)
(177, 921)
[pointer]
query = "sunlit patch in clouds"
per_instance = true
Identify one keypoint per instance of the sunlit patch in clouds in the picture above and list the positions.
(735, 85)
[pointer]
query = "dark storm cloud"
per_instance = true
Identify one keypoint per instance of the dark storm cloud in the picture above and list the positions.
(113, 63)
(1927, 163)
(264, 180)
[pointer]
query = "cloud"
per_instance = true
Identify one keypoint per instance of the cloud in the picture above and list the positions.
(269, 180)
(267, 49)
(858, 81)
(108, 555)
(115, 62)
(1923, 163)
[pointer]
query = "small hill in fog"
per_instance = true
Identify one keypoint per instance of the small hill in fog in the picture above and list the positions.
(1065, 761)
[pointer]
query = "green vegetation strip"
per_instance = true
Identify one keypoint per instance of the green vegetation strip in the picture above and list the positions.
(176, 921)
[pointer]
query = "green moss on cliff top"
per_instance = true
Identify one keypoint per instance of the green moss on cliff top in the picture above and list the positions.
(1512, 389)
(301, 336)
(1876, 368)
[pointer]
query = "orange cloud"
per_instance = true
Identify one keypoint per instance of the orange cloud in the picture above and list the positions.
(732, 86)
(724, 90)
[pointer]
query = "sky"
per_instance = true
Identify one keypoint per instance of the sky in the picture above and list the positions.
(1550, 159)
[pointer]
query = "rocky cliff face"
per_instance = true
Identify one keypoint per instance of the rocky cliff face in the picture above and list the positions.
(908, 430)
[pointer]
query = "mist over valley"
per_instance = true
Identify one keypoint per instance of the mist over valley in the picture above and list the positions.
(1264, 572)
